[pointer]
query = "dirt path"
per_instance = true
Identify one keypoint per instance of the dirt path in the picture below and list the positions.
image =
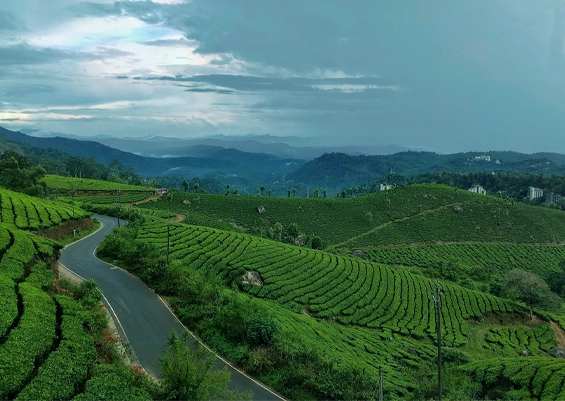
(179, 218)
(392, 222)
(151, 198)
(559, 333)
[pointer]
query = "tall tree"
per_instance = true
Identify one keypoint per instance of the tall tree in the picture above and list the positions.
(529, 288)
(188, 373)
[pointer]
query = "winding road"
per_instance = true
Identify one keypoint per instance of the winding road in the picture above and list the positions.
(140, 314)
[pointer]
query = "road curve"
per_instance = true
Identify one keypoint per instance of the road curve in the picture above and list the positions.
(140, 314)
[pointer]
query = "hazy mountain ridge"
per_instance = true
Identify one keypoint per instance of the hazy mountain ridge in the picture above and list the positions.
(280, 146)
(341, 170)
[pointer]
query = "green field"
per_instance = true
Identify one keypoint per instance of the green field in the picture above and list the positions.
(339, 318)
(30, 213)
(414, 214)
(340, 304)
(57, 182)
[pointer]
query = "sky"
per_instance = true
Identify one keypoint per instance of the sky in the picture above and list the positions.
(438, 75)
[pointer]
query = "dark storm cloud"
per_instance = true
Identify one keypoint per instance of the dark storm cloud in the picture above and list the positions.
(210, 90)
(25, 54)
(22, 53)
(166, 42)
(8, 22)
(255, 83)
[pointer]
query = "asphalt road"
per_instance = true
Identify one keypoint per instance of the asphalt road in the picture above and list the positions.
(139, 313)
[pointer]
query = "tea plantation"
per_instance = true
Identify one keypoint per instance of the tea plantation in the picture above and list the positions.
(376, 312)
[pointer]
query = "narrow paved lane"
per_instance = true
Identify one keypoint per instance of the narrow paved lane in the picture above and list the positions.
(140, 315)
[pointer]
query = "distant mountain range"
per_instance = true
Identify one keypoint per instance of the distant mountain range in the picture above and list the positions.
(282, 147)
(257, 160)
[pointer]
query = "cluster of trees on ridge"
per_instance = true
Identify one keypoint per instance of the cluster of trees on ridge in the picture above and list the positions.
(20, 173)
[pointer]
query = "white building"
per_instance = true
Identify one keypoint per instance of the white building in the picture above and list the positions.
(534, 193)
(478, 189)
(384, 187)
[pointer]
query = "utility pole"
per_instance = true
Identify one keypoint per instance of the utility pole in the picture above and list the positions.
(437, 304)
(170, 198)
(380, 383)
(119, 207)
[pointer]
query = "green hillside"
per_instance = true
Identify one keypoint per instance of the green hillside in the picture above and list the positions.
(30, 213)
(344, 315)
(413, 214)
(49, 343)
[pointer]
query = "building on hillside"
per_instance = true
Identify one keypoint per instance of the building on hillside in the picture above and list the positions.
(384, 187)
(553, 197)
(483, 158)
(534, 193)
(478, 189)
(161, 191)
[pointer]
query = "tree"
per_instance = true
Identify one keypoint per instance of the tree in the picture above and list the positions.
(316, 242)
(325, 193)
(529, 288)
(556, 280)
(293, 192)
(196, 186)
(262, 188)
(185, 185)
(19, 174)
(188, 374)
(293, 231)
(228, 189)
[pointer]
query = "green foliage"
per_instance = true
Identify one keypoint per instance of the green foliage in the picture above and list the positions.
(525, 378)
(188, 374)
(116, 383)
(529, 288)
(316, 242)
(65, 184)
(262, 330)
(27, 212)
(19, 174)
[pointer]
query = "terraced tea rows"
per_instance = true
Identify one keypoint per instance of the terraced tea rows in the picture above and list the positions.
(105, 198)
(56, 182)
(482, 219)
(348, 290)
(26, 212)
(368, 349)
(539, 259)
(539, 377)
(511, 341)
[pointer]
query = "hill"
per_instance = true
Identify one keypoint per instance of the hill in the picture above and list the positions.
(413, 214)
(219, 161)
(347, 316)
(337, 170)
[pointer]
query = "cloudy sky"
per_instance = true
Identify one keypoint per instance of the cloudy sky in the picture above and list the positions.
(441, 75)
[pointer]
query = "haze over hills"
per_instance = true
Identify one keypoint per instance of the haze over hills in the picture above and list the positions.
(247, 171)
(280, 146)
